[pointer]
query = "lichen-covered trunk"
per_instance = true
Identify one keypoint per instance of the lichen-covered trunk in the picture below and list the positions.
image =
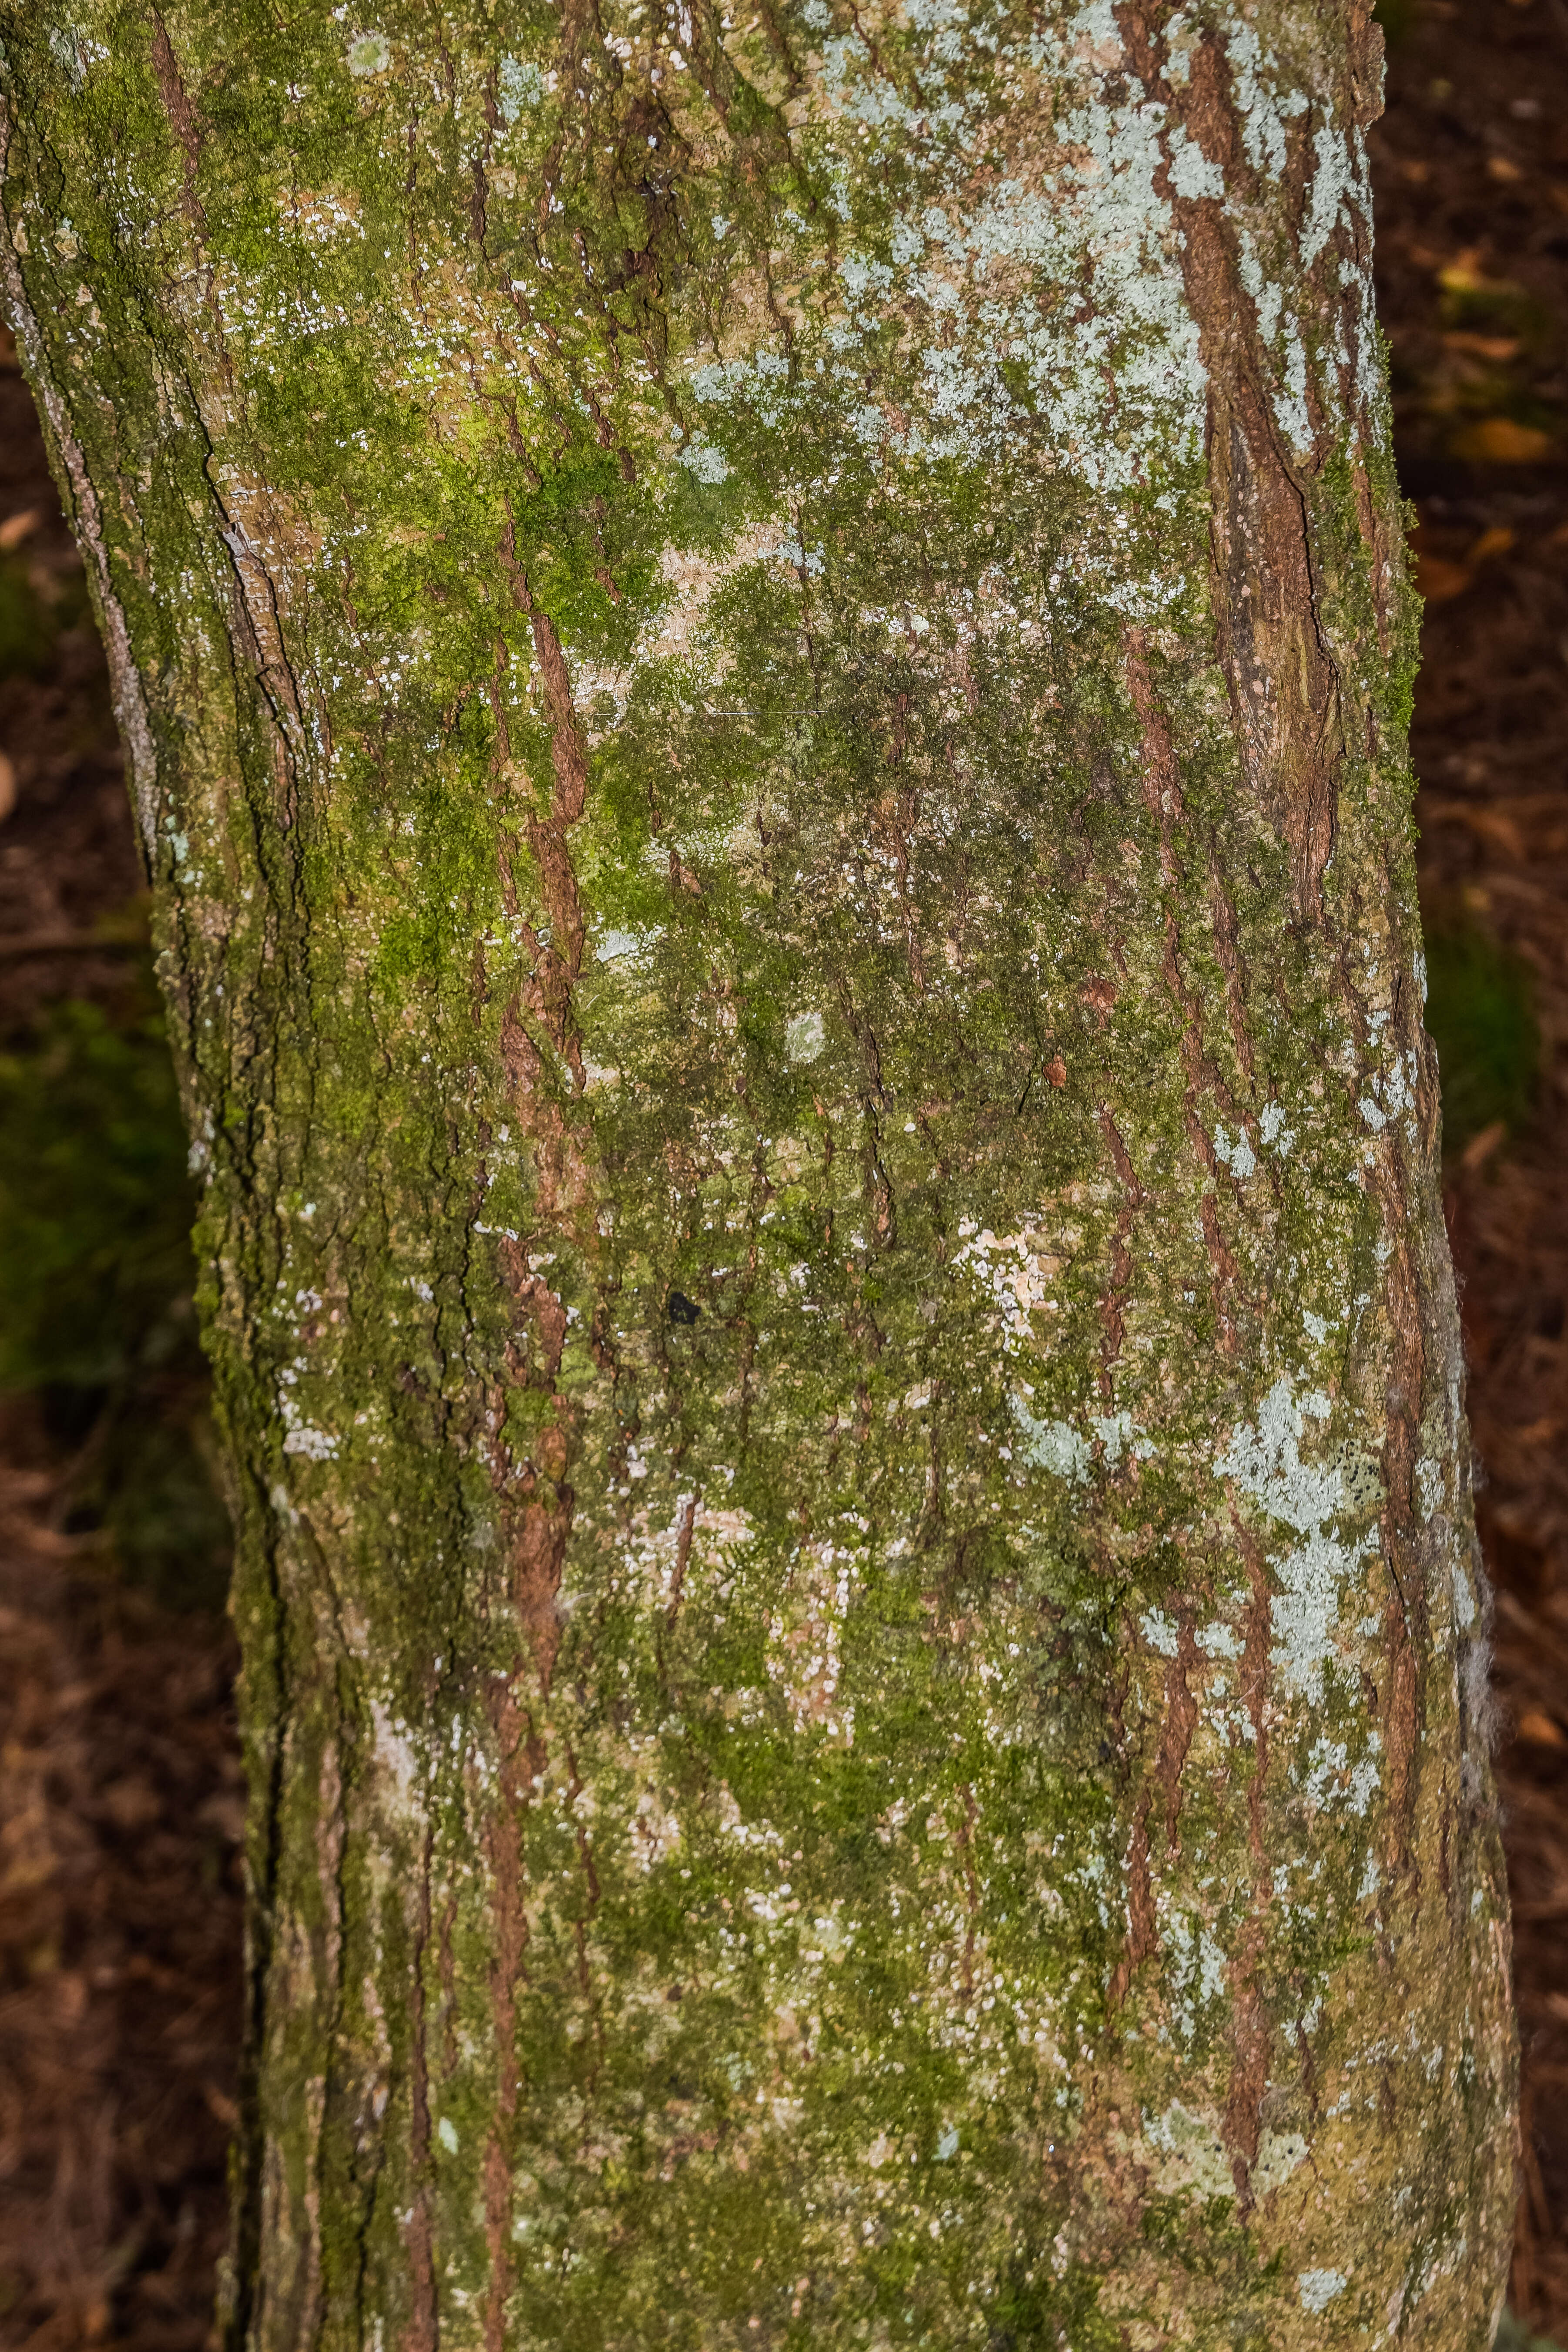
(765, 659)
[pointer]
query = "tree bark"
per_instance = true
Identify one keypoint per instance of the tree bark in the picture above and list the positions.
(765, 659)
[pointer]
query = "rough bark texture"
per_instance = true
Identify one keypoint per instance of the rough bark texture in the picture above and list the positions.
(766, 663)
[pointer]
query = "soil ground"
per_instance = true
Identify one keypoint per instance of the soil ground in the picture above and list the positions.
(119, 1918)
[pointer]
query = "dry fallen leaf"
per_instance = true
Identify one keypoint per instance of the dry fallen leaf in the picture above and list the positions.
(1496, 542)
(1540, 1729)
(1480, 1148)
(220, 2104)
(1486, 820)
(1499, 441)
(7, 787)
(224, 1811)
(1481, 347)
(15, 528)
(1438, 580)
(132, 1804)
(1501, 167)
(71, 1996)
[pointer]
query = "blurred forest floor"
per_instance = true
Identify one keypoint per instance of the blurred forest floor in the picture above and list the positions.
(119, 1782)
(119, 1801)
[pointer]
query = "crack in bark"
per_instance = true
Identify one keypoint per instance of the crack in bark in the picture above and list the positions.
(1112, 1306)
(1283, 678)
(1163, 794)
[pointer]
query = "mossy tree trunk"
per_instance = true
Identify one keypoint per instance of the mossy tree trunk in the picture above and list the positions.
(766, 661)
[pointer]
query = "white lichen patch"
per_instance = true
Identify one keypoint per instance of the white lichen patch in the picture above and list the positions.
(1331, 1779)
(1194, 1964)
(1273, 265)
(614, 946)
(1392, 1091)
(370, 53)
(315, 1444)
(1188, 2153)
(1237, 1153)
(1265, 1461)
(520, 85)
(1278, 2156)
(1053, 1445)
(704, 461)
(975, 262)
(1271, 1126)
(301, 1436)
(1318, 2287)
(1159, 1632)
(804, 1037)
(1117, 1431)
(1184, 2150)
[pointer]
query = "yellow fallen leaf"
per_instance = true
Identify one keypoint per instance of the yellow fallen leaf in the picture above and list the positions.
(1499, 441)
(1464, 275)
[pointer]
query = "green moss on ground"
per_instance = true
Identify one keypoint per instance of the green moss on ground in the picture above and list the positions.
(1480, 1012)
(97, 1319)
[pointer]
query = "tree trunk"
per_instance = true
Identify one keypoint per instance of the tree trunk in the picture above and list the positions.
(765, 660)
